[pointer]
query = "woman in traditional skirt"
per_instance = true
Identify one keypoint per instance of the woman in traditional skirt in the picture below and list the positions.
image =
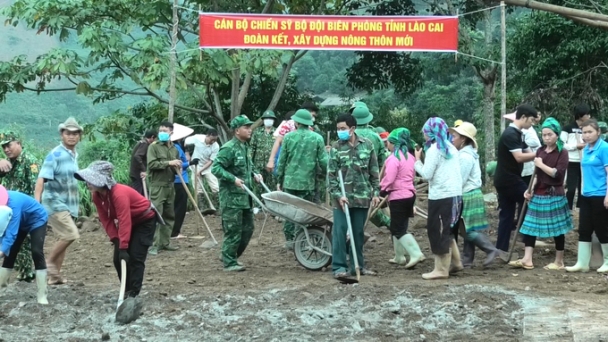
(548, 214)
(473, 206)
(398, 185)
(442, 169)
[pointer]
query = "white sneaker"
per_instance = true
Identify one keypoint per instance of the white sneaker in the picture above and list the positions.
(256, 211)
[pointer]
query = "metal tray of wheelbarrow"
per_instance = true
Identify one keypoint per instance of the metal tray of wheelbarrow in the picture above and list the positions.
(297, 210)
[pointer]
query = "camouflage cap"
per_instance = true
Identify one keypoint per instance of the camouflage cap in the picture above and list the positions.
(239, 121)
(268, 115)
(7, 137)
(603, 127)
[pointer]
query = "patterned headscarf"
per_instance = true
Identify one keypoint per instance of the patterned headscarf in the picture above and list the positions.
(437, 131)
(553, 125)
(400, 137)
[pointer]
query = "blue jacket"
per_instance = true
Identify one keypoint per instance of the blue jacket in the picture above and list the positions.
(185, 165)
(28, 215)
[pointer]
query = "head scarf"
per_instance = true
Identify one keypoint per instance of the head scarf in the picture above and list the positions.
(400, 137)
(553, 125)
(437, 131)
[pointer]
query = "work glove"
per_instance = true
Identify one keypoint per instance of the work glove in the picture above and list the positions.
(194, 161)
(123, 254)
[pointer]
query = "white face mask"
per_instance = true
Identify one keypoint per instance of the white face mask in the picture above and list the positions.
(268, 122)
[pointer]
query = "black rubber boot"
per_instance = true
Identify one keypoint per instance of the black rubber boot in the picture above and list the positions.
(483, 242)
(468, 254)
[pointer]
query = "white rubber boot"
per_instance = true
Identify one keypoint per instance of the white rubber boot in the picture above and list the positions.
(41, 282)
(441, 271)
(399, 258)
(5, 274)
(411, 246)
(604, 267)
(583, 258)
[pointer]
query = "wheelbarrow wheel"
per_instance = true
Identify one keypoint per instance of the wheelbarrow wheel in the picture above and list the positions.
(308, 257)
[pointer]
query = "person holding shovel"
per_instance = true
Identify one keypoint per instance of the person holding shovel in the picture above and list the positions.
(398, 185)
(548, 215)
(363, 117)
(233, 168)
(473, 215)
(205, 151)
(137, 170)
(20, 216)
(301, 152)
(163, 159)
(180, 132)
(442, 170)
(127, 217)
(356, 158)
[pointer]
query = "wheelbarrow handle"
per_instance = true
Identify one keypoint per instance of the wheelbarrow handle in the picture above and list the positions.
(262, 183)
(255, 198)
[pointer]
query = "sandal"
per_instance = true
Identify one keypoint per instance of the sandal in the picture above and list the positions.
(519, 264)
(554, 267)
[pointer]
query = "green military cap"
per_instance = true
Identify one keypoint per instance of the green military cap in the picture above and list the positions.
(362, 115)
(268, 115)
(239, 121)
(7, 137)
(603, 126)
(380, 130)
(303, 116)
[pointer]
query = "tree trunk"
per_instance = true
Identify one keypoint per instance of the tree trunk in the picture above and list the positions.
(173, 63)
(489, 96)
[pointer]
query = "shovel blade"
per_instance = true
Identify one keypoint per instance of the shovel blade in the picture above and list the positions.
(347, 280)
(129, 310)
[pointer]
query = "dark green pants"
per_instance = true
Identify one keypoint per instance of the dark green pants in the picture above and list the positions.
(288, 228)
(338, 241)
(238, 229)
(163, 198)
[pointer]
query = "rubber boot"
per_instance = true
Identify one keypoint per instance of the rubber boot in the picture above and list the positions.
(583, 258)
(442, 263)
(483, 242)
(399, 258)
(468, 254)
(5, 274)
(455, 258)
(41, 282)
(411, 246)
(604, 267)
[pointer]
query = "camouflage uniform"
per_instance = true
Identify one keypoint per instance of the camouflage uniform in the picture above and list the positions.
(604, 130)
(359, 167)
(321, 178)
(380, 219)
(261, 146)
(234, 161)
(22, 177)
(302, 154)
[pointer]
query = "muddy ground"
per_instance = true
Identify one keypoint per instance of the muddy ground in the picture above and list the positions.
(189, 298)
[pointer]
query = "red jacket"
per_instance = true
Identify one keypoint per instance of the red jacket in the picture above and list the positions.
(119, 210)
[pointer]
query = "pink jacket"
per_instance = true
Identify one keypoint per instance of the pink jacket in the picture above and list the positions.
(399, 177)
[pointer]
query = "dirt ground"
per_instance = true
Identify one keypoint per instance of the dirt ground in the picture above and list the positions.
(188, 297)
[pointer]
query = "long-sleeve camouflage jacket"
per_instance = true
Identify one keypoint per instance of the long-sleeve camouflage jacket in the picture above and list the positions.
(233, 161)
(368, 133)
(23, 175)
(359, 166)
(302, 152)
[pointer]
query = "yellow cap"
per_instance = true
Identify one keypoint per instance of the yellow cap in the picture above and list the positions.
(457, 123)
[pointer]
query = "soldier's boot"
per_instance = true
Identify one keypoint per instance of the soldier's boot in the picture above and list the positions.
(41, 282)
(5, 274)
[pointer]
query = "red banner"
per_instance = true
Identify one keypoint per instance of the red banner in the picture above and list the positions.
(294, 32)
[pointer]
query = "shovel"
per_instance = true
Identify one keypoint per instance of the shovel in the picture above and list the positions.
(211, 209)
(130, 309)
(206, 244)
(145, 186)
(522, 213)
(352, 240)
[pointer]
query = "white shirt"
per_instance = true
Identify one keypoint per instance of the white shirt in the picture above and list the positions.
(531, 139)
(202, 151)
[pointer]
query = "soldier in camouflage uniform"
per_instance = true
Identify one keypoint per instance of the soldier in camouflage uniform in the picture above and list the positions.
(356, 158)
(604, 130)
(301, 153)
(261, 146)
(233, 168)
(21, 177)
(364, 117)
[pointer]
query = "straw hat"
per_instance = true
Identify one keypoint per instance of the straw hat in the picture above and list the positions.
(70, 125)
(466, 129)
(180, 132)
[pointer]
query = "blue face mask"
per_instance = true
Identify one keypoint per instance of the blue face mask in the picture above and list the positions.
(163, 136)
(343, 135)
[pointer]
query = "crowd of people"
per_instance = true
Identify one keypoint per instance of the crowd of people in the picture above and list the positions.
(533, 179)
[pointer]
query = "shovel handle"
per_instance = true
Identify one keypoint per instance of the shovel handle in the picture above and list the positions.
(350, 228)
(522, 214)
(123, 282)
(181, 178)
